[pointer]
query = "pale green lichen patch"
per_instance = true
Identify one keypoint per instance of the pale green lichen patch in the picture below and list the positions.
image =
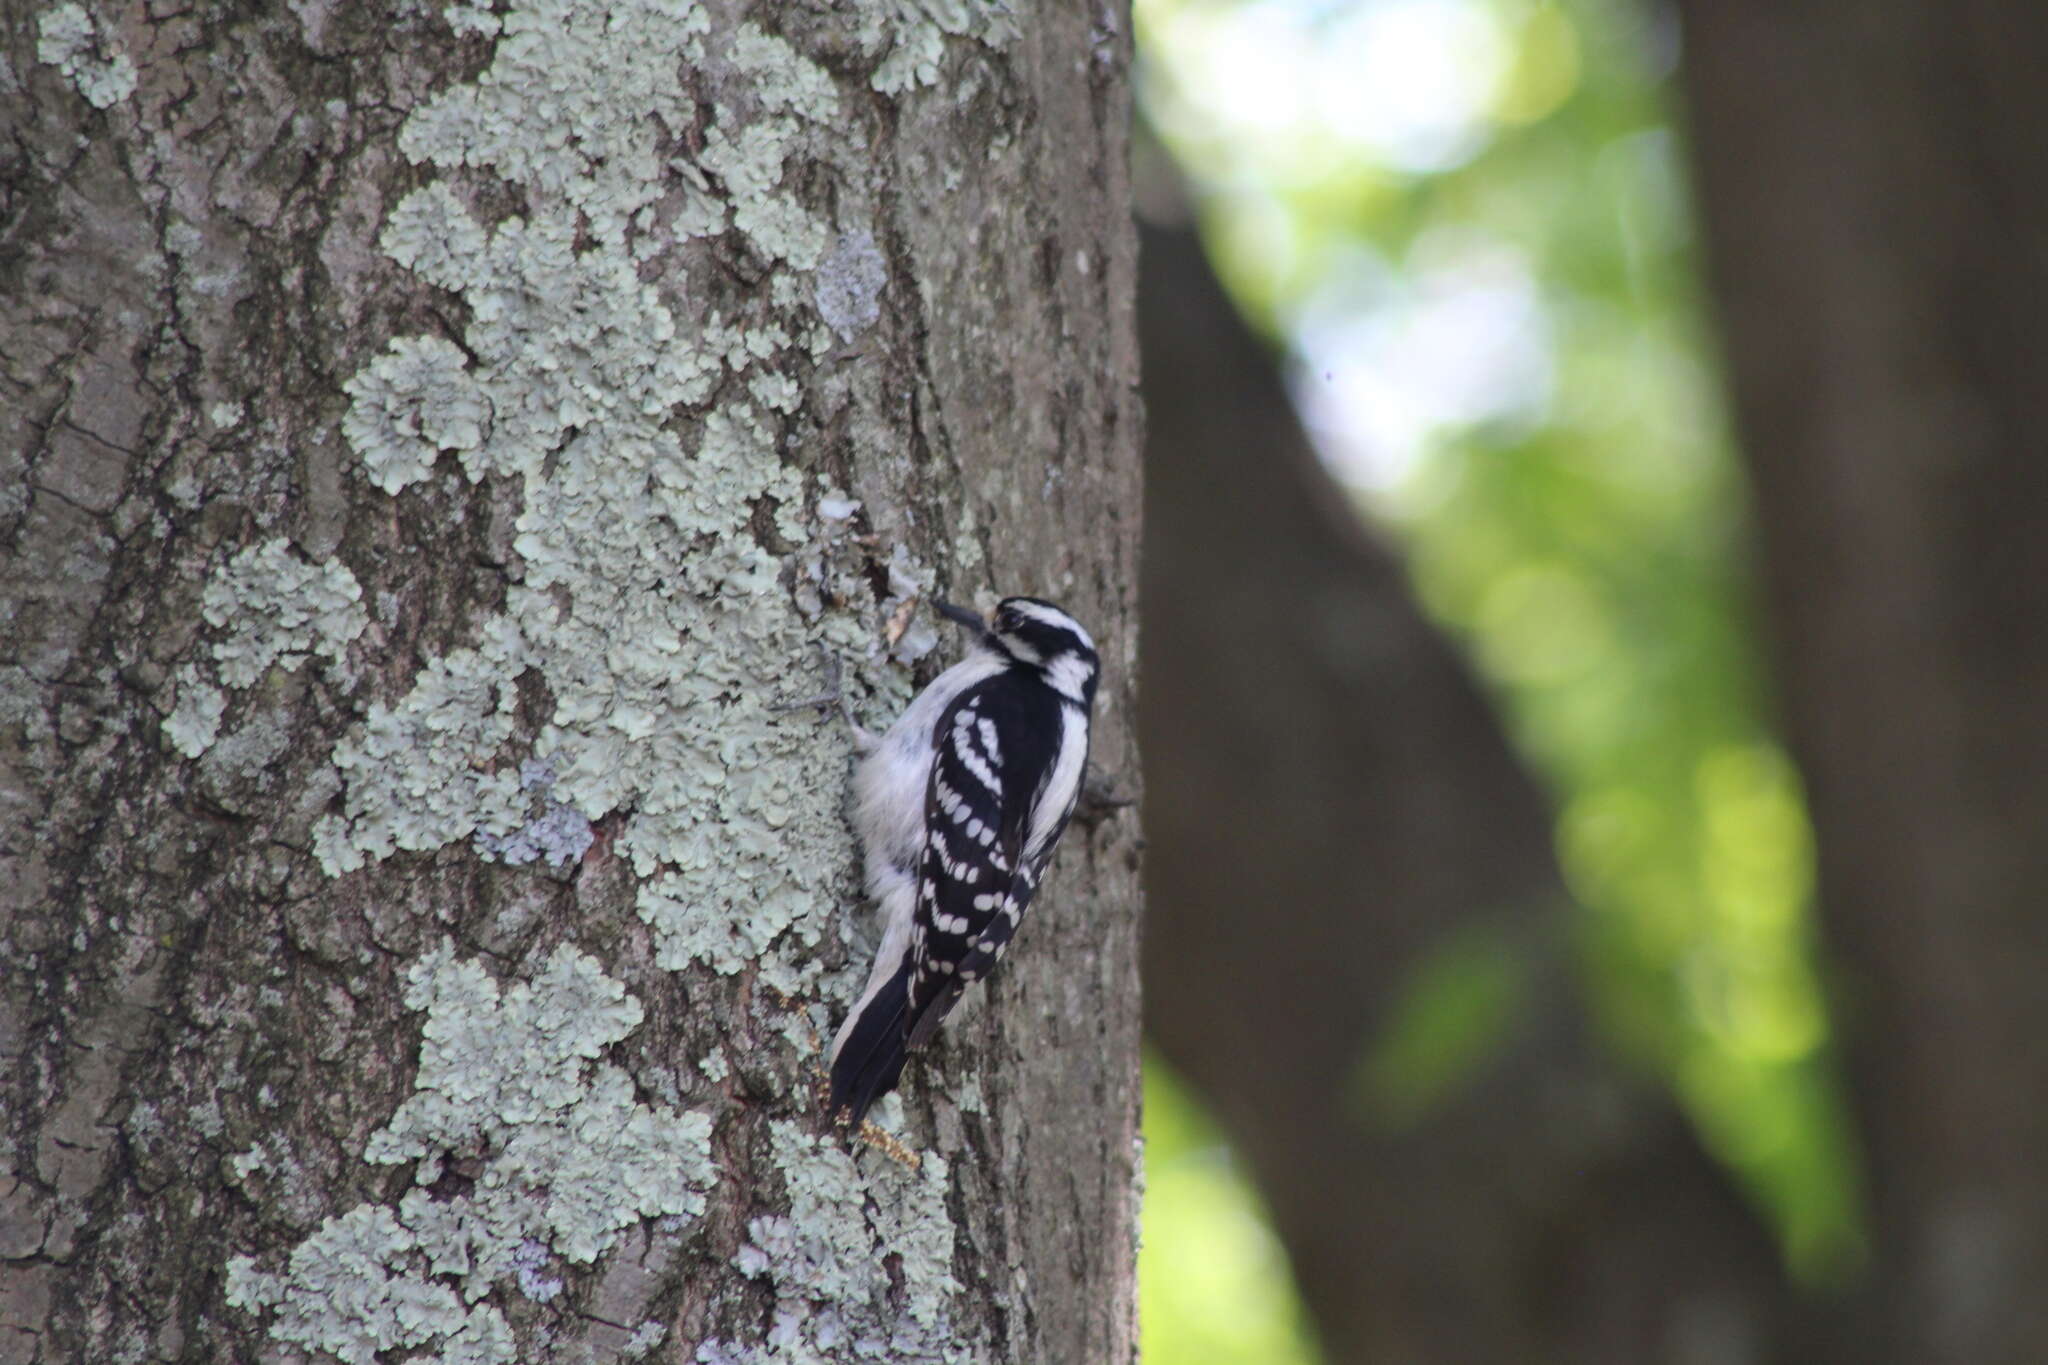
(662, 629)
(846, 1216)
(353, 1290)
(510, 1076)
(411, 403)
(67, 39)
(654, 617)
(194, 722)
(912, 36)
(783, 77)
(574, 1158)
(751, 161)
(556, 833)
(279, 609)
(420, 774)
(272, 608)
(645, 1338)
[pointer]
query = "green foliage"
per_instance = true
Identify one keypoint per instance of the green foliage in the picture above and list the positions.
(1493, 309)
(1213, 1283)
(1453, 1012)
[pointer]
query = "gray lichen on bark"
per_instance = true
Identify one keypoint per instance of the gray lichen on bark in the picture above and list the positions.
(433, 434)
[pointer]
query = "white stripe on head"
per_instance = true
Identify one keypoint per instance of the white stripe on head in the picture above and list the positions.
(1051, 616)
(1017, 649)
(1069, 676)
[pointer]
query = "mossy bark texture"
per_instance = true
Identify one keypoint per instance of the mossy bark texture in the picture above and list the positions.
(432, 443)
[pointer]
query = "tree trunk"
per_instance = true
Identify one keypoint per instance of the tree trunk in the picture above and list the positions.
(1351, 824)
(1877, 212)
(435, 440)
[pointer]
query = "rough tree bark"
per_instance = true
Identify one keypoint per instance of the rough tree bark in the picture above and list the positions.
(430, 442)
(1877, 211)
(1351, 812)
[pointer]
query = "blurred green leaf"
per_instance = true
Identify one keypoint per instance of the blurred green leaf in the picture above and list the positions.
(1456, 1006)
(1213, 1281)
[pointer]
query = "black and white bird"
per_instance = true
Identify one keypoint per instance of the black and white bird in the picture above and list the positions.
(958, 807)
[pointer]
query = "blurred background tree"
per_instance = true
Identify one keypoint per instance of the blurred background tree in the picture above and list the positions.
(1435, 1011)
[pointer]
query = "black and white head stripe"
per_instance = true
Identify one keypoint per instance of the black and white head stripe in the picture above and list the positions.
(1039, 634)
(1042, 622)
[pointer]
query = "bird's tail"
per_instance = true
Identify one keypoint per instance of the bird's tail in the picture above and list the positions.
(869, 1057)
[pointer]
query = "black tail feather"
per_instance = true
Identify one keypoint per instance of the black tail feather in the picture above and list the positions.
(870, 1063)
(934, 1013)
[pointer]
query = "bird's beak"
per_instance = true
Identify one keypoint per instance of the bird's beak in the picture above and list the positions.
(963, 616)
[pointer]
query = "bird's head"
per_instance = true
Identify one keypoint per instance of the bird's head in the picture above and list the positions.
(1033, 633)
